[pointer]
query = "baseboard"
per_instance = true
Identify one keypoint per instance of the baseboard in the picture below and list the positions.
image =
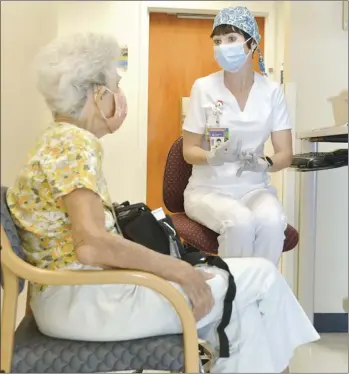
(331, 322)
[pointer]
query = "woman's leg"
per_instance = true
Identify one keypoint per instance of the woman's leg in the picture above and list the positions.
(270, 224)
(228, 217)
(114, 312)
(267, 322)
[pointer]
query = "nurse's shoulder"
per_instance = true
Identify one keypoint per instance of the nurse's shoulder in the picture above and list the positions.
(209, 82)
(275, 97)
(204, 93)
(268, 86)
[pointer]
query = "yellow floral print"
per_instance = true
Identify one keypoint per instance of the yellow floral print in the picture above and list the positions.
(64, 159)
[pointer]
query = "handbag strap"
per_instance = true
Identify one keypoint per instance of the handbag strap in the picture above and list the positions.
(116, 221)
(227, 306)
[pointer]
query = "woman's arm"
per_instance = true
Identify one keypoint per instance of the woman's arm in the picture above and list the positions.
(281, 135)
(192, 151)
(282, 144)
(194, 128)
(96, 247)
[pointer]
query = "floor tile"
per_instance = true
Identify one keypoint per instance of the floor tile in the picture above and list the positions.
(328, 355)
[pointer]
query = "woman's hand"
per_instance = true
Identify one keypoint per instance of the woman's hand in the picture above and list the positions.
(195, 287)
(252, 163)
(282, 158)
(230, 151)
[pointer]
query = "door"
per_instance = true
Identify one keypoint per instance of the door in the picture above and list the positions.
(180, 51)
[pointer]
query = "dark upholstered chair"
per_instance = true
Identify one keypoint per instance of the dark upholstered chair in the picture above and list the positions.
(26, 350)
(177, 173)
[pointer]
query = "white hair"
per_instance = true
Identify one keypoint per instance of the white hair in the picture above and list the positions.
(69, 67)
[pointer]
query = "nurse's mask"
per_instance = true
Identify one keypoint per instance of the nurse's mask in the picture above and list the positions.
(231, 56)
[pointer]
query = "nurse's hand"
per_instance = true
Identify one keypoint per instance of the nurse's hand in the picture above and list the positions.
(252, 163)
(225, 153)
(199, 292)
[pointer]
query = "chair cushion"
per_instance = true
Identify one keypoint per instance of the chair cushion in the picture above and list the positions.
(37, 353)
(11, 231)
(194, 234)
(176, 176)
(291, 238)
(204, 239)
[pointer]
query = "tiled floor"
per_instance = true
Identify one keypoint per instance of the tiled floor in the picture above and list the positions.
(328, 355)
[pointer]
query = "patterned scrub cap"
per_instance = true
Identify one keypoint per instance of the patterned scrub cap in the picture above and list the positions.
(242, 18)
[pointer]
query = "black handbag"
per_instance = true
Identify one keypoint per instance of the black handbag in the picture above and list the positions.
(138, 224)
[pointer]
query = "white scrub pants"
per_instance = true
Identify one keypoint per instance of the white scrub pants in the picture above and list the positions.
(267, 322)
(252, 226)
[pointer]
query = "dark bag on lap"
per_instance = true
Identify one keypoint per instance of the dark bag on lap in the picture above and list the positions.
(138, 224)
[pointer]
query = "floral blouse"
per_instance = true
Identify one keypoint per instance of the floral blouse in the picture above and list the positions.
(65, 158)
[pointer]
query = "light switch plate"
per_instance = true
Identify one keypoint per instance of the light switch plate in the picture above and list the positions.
(345, 304)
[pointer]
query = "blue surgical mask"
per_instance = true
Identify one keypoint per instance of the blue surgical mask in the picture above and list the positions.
(231, 56)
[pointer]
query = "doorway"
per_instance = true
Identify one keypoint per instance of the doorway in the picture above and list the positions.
(180, 51)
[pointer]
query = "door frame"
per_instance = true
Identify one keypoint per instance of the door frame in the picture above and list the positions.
(266, 9)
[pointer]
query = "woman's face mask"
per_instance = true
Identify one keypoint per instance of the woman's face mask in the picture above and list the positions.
(231, 56)
(119, 105)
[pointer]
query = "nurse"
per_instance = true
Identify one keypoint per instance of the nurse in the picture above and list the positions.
(229, 190)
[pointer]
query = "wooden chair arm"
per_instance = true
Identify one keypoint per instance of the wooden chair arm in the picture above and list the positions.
(14, 268)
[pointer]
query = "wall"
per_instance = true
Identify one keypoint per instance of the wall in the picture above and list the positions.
(279, 38)
(122, 164)
(317, 61)
(25, 27)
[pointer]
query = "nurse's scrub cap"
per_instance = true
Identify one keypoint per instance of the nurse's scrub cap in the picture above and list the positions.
(242, 18)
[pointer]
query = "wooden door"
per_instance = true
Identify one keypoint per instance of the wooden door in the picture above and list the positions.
(180, 51)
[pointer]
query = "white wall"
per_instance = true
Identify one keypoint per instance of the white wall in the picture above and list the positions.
(25, 27)
(317, 61)
(122, 164)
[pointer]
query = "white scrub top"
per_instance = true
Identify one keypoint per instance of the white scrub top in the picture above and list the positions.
(264, 113)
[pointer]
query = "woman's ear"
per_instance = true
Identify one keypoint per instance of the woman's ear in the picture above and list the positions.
(89, 104)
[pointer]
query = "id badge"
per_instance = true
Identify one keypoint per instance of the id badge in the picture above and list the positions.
(216, 136)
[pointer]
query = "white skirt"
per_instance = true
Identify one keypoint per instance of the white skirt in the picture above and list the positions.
(266, 326)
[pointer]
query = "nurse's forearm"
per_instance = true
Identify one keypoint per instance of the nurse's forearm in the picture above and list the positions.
(281, 160)
(195, 156)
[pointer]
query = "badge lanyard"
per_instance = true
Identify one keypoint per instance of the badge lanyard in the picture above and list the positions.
(217, 110)
(216, 135)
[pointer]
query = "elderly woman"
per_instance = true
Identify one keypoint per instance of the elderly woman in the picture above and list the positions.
(61, 205)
